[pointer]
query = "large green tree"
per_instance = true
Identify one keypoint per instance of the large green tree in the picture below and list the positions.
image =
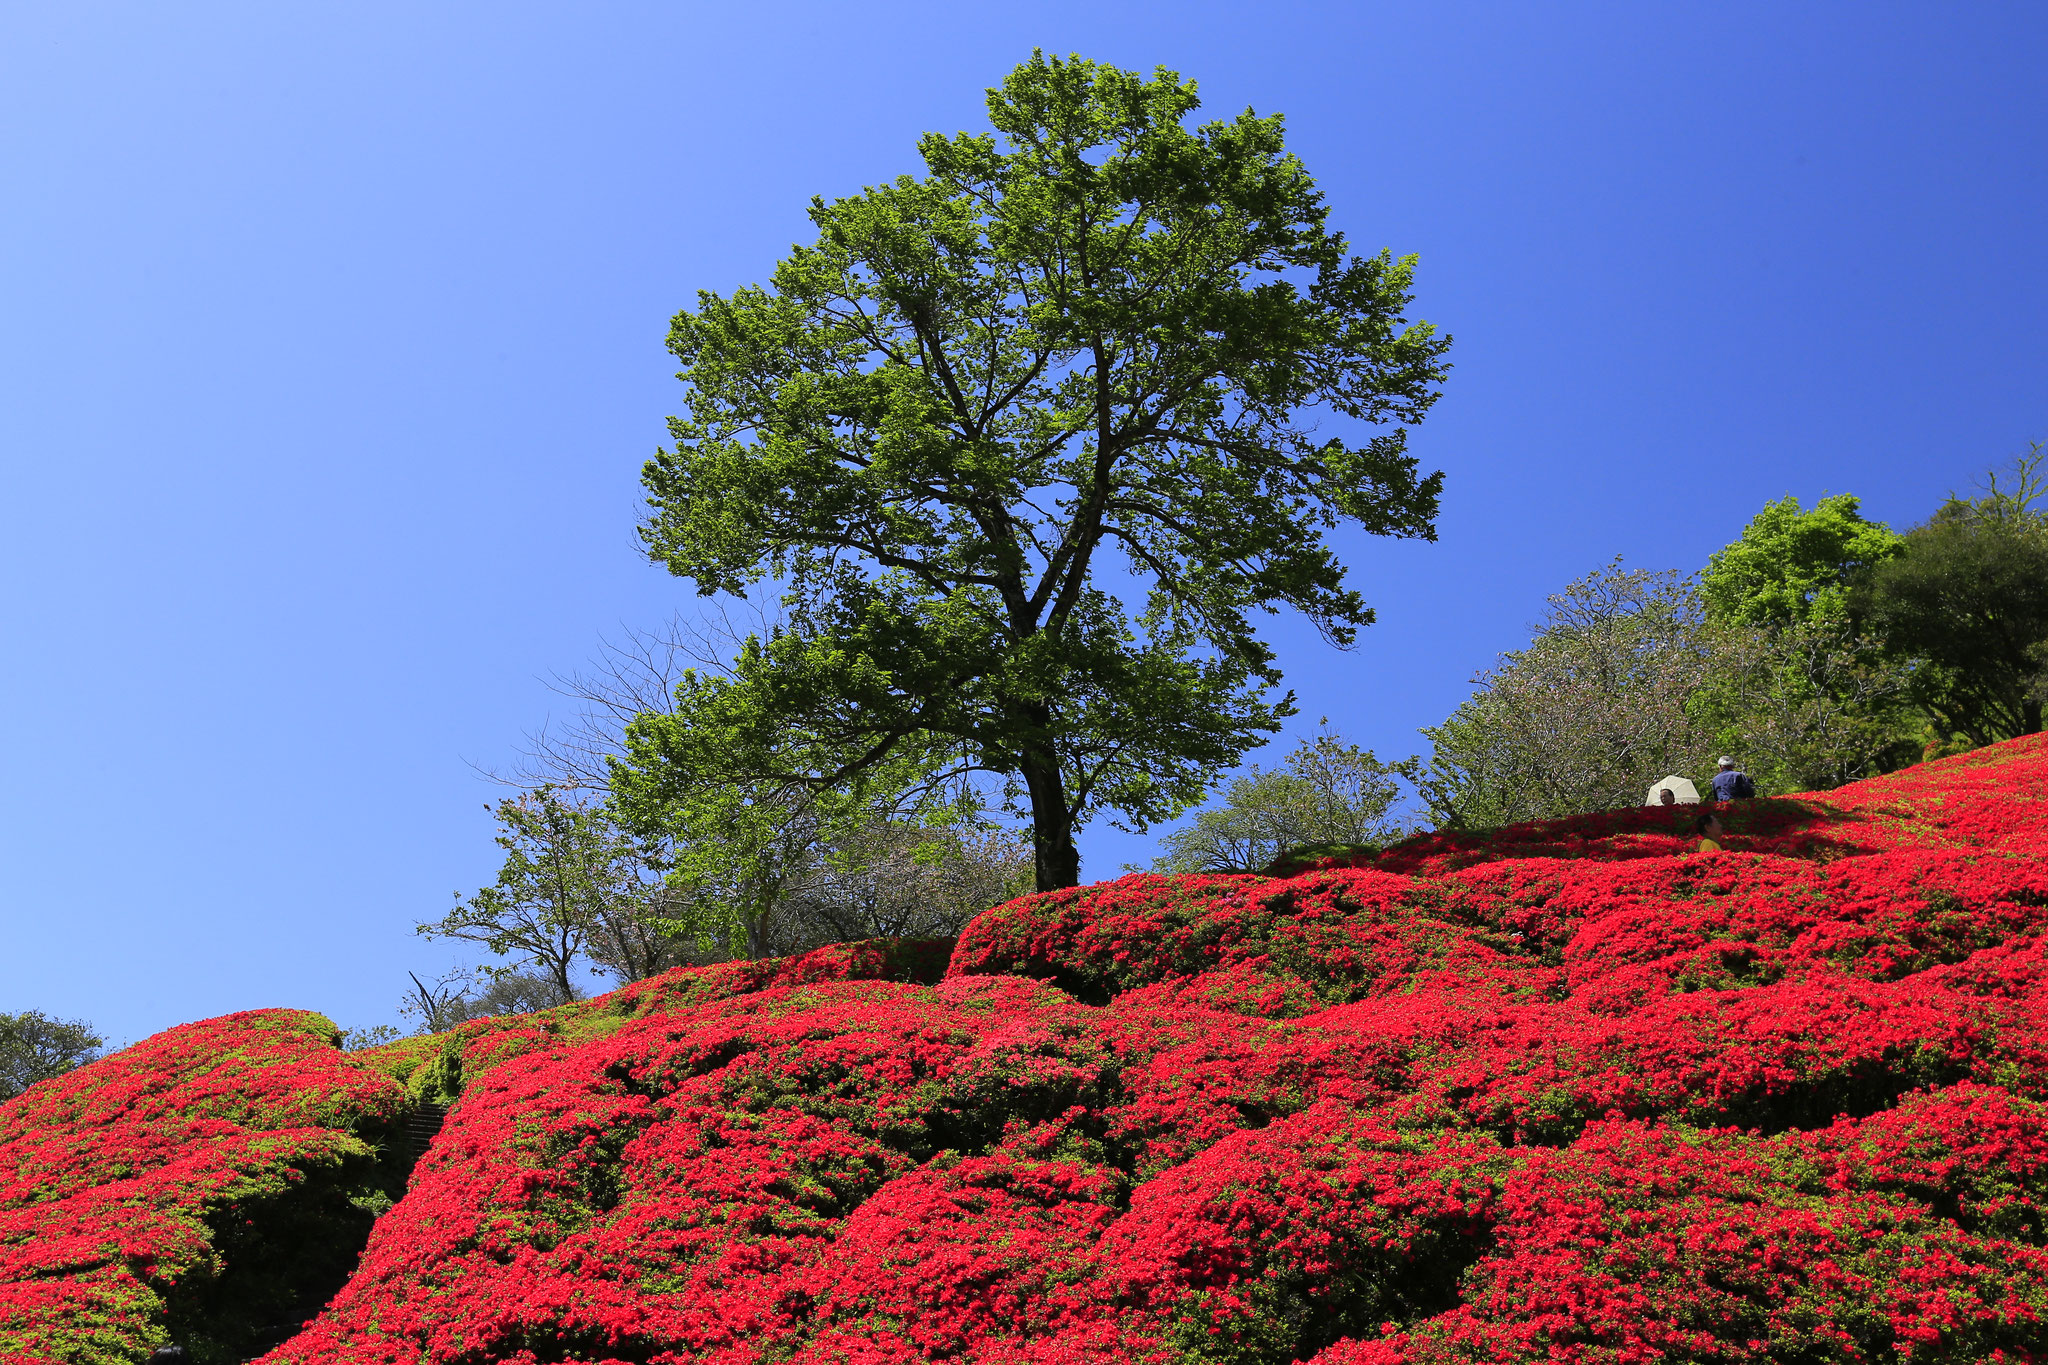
(1796, 567)
(1807, 696)
(1097, 334)
(1968, 601)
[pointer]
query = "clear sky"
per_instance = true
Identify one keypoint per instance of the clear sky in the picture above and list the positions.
(331, 346)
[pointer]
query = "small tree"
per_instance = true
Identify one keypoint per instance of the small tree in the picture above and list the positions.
(907, 879)
(376, 1035)
(1327, 792)
(459, 996)
(574, 884)
(1096, 332)
(35, 1047)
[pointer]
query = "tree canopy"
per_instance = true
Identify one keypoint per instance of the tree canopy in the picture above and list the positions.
(1327, 793)
(1968, 600)
(34, 1047)
(1094, 332)
(1794, 567)
(1585, 717)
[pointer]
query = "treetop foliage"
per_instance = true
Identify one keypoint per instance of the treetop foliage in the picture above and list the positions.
(1325, 793)
(34, 1047)
(1969, 600)
(1095, 328)
(1586, 715)
(1103, 324)
(1792, 566)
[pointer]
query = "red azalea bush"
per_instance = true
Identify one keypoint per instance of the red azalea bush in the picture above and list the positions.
(1564, 1092)
(198, 1185)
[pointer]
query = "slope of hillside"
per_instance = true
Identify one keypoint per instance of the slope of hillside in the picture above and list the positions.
(1563, 1092)
(207, 1185)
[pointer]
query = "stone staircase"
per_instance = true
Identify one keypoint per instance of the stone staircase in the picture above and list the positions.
(421, 1126)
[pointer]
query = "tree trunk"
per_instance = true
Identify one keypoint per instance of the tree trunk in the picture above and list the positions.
(1056, 862)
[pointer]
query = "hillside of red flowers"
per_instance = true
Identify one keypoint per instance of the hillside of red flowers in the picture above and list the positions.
(1563, 1092)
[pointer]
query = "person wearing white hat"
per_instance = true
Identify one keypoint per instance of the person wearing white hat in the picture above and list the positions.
(1731, 784)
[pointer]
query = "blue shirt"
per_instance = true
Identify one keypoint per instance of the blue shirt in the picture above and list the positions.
(1724, 784)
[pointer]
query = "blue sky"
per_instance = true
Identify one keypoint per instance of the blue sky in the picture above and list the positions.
(331, 346)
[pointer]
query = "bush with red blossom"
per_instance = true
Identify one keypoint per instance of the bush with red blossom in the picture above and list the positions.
(206, 1185)
(1568, 1092)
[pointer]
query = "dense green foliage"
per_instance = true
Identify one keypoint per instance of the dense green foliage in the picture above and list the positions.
(1969, 599)
(34, 1047)
(1806, 692)
(1096, 331)
(1794, 567)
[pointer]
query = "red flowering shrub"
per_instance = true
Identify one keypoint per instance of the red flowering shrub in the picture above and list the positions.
(204, 1184)
(1666, 1243)
(1334, 935)
(1566, 1092)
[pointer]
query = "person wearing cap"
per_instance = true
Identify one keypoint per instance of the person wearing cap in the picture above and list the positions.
(1730, 784)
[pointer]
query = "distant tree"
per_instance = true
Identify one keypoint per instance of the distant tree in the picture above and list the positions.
(1326, 792)
(1968, 602)
(906, 879)
(1097, 331)
(1585, 717)
(460, 996)
(376, 1035)
(1793, 567)
(573, 885)
(35, 1047)
(1808, 697)
(433, 1007)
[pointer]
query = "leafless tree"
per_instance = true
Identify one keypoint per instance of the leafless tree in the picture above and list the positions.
(900, 879)
(633, 673)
